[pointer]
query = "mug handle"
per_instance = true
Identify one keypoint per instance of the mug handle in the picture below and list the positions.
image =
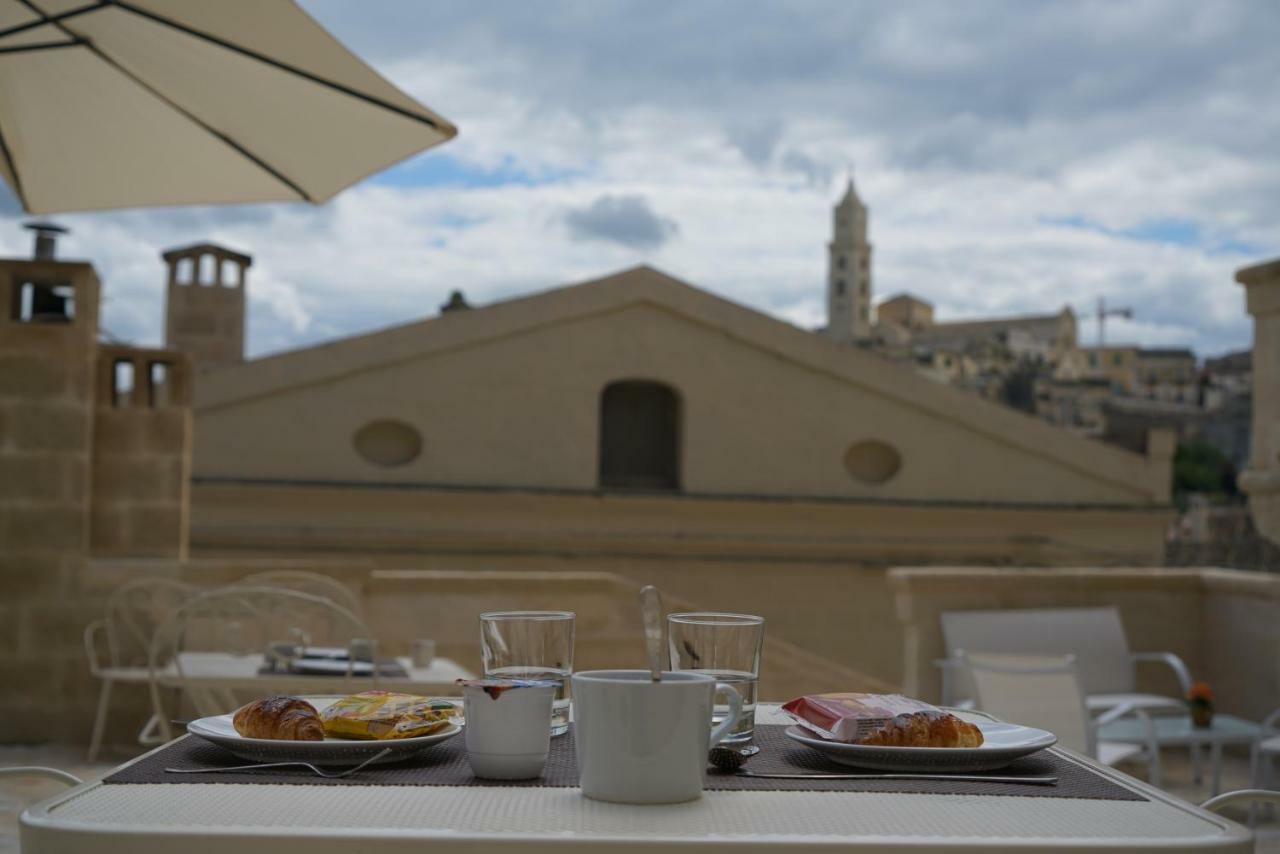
(735, 713)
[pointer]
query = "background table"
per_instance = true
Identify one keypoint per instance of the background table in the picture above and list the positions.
(248, 819)
(1177, 731)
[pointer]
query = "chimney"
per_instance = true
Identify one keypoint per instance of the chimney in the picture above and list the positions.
(46, 239)
(457, 302)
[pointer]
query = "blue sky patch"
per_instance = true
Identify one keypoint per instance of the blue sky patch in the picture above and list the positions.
(434, 169)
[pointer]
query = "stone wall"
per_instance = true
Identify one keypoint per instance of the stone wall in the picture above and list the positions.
(141, 455)
(46, 399)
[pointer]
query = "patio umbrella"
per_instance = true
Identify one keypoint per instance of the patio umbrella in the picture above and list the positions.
(163, 102)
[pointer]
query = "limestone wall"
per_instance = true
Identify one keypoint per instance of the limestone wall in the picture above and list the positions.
(46, 395)
(141, 456)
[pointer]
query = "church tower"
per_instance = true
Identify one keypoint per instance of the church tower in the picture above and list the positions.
(849, 272)
(204, 314)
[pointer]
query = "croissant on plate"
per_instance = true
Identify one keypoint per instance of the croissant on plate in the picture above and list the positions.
(281, 718)
(925, 729)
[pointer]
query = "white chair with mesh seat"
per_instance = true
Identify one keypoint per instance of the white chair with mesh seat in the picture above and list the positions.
(1265, 752)
(1095, 636)
(118, 646)
(231, 624)
(1046, 692)
(306, 582)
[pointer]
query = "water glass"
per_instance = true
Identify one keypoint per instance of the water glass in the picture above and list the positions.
(726, 647)
(531, 645)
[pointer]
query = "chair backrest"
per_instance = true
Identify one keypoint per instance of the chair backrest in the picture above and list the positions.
(306, 582)
(1095, 636)
(134, 611)
(1041, 691)
(240, 621)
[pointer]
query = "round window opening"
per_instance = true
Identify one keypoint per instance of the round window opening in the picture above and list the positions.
(388, 443)
(872, 461)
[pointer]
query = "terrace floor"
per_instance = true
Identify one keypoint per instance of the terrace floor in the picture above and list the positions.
(16, 794)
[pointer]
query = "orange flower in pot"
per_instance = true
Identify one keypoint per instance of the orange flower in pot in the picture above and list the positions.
(1200, 701)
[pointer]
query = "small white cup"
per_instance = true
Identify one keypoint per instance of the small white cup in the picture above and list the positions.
(424, 652)
(508, 730)
(645, 742)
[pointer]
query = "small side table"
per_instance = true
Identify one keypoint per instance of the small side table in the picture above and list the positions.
(1177, 731)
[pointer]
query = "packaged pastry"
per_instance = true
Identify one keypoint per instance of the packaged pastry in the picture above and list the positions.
(385, 715)
(881, 719)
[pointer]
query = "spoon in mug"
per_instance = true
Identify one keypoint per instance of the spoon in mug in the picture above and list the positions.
(651, 613)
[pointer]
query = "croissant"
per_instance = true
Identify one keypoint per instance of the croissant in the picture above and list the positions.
(279, 717)
(925, 729)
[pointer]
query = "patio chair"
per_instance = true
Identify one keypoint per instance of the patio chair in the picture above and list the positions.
(41, 771)
(243, 621)
(1265, 750)
(1046, 692)
(1095, 636)
(306, 582)
(133, 612)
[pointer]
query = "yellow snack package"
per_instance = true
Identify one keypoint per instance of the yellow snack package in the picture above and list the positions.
(374, 715)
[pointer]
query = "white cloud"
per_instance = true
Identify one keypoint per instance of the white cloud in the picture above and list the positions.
(973, 127)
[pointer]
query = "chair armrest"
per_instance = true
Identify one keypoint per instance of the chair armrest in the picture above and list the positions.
(41, 771)
(1114, 714)
(1176, 664)
(1248, 796)
(91, 645)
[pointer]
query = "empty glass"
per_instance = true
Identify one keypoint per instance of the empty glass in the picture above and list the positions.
(531, 645)
(727, 647)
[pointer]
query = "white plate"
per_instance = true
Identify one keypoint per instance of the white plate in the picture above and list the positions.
(332, 751)
(1002, 743)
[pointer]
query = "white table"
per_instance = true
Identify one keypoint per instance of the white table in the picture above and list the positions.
(210, 678)
(248, 819)
(1177, 731)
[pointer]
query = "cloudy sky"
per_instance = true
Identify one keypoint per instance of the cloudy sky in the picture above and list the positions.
(1015, 156)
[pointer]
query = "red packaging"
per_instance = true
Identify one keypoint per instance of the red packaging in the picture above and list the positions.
(850, 717)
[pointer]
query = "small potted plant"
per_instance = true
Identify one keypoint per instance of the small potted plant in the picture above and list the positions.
(1200, 700)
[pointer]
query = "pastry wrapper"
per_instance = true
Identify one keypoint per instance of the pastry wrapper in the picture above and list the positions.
(851, 717)
(380, 715)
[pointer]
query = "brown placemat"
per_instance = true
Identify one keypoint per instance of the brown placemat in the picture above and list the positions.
(446, 765)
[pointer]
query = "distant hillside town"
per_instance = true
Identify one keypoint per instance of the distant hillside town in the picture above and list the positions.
(1117, 393)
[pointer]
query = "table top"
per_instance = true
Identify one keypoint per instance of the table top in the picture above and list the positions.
(226, 669)
(197, 818)
(1174, 730)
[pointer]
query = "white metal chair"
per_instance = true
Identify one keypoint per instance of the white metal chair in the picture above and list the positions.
(41, 771)
(1095, 636)
(1046, 692)
(243, 621)
(1265, 750)
(133, 612)
(306, 582)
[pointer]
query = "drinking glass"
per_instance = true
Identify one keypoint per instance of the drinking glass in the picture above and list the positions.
(726, 647)
(531, 645)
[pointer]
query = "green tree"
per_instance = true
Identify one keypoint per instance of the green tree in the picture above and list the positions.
(1200, 467)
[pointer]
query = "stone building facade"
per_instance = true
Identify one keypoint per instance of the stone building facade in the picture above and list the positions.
(86, 466)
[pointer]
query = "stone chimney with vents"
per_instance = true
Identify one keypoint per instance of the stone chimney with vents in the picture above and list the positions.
(205, 307)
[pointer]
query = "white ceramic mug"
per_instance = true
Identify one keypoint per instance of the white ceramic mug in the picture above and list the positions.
(508, 731)
(645, 742)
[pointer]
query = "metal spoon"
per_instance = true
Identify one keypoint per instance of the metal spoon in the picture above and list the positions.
(332, 775)
(651, 613)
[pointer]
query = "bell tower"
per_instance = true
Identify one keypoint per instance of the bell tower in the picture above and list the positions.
(204, 313)
(849, 272)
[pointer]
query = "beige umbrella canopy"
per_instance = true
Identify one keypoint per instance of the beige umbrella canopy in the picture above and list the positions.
(116, 104)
